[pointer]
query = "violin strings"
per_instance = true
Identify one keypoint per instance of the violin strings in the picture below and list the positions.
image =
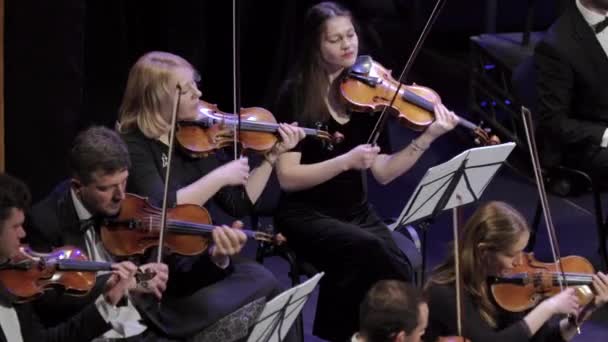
(188, 227)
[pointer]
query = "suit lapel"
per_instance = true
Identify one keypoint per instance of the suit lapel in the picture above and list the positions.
(584, 34)
(68, 221)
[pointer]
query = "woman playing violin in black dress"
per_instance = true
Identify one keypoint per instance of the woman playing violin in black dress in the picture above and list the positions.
(205, 288)
(325, 214)
(490, 243)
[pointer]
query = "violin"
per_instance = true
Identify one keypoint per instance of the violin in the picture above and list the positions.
(531, 281)
(29, 274)
(369, 87)
(214, 129)
(137, 228)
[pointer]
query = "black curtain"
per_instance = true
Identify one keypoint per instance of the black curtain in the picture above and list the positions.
(67, 60)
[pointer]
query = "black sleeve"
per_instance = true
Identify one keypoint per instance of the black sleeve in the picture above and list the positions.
(549, 332)
(442, 320)
(84, 326)
(234, 201)
(36, 237)
(555, 87)
(189, 274)
(144, 177)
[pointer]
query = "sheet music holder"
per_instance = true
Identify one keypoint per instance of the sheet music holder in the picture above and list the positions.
(456, 182)
(279, 314)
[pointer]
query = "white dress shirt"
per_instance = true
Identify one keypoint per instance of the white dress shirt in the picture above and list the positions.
(125, 320)
(9, 323)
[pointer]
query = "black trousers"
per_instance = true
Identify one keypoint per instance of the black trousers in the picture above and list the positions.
(184, 316)
(591, 159)
(355, 250)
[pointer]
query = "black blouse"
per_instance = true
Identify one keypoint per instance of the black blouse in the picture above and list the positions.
(511, 327)
(148, 167)
(348, 190)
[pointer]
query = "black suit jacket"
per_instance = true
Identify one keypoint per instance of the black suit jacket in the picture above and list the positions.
(572, 90)
(84, 326)
(53, 223)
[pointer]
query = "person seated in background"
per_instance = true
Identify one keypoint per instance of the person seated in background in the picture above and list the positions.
(572, 67)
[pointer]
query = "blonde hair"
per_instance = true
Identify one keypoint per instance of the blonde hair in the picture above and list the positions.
(494, 228)
(148, 88)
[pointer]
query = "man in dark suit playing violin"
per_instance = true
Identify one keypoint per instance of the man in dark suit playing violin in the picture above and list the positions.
(70, 216)
(100, 163)
(572, 67)
(18, 323)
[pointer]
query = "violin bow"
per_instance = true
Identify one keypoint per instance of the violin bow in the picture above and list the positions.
(236, 69)
(456, 214)
(382, 119)
(542, 193)
(379, 127)
(163, 217)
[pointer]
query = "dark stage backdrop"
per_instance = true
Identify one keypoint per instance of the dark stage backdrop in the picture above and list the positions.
(67, 60)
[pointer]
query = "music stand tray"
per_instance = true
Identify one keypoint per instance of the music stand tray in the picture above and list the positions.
(279, 314)
(456, 182)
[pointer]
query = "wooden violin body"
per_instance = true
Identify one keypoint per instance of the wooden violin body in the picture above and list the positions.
(137, 228)
(214, 129)
(29, 274)
(532, 281)
(369, 87)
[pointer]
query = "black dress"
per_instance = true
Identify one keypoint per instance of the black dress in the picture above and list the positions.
(333, 226)
(198, 292)
(511, 327)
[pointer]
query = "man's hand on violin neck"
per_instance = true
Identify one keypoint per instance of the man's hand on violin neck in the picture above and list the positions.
(157, 284)
(227, 241)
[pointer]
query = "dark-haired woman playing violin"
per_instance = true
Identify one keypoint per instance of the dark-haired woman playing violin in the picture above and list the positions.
(325, 214)
(205, 288)
(490, 243)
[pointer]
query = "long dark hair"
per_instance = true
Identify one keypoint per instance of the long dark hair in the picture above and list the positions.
(494, 228)
(309, 81)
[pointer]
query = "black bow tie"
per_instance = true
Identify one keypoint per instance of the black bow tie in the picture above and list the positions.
(599, 27)
(88, 224)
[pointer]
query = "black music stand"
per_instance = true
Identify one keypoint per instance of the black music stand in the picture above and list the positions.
(454, 183)
(279, 314)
